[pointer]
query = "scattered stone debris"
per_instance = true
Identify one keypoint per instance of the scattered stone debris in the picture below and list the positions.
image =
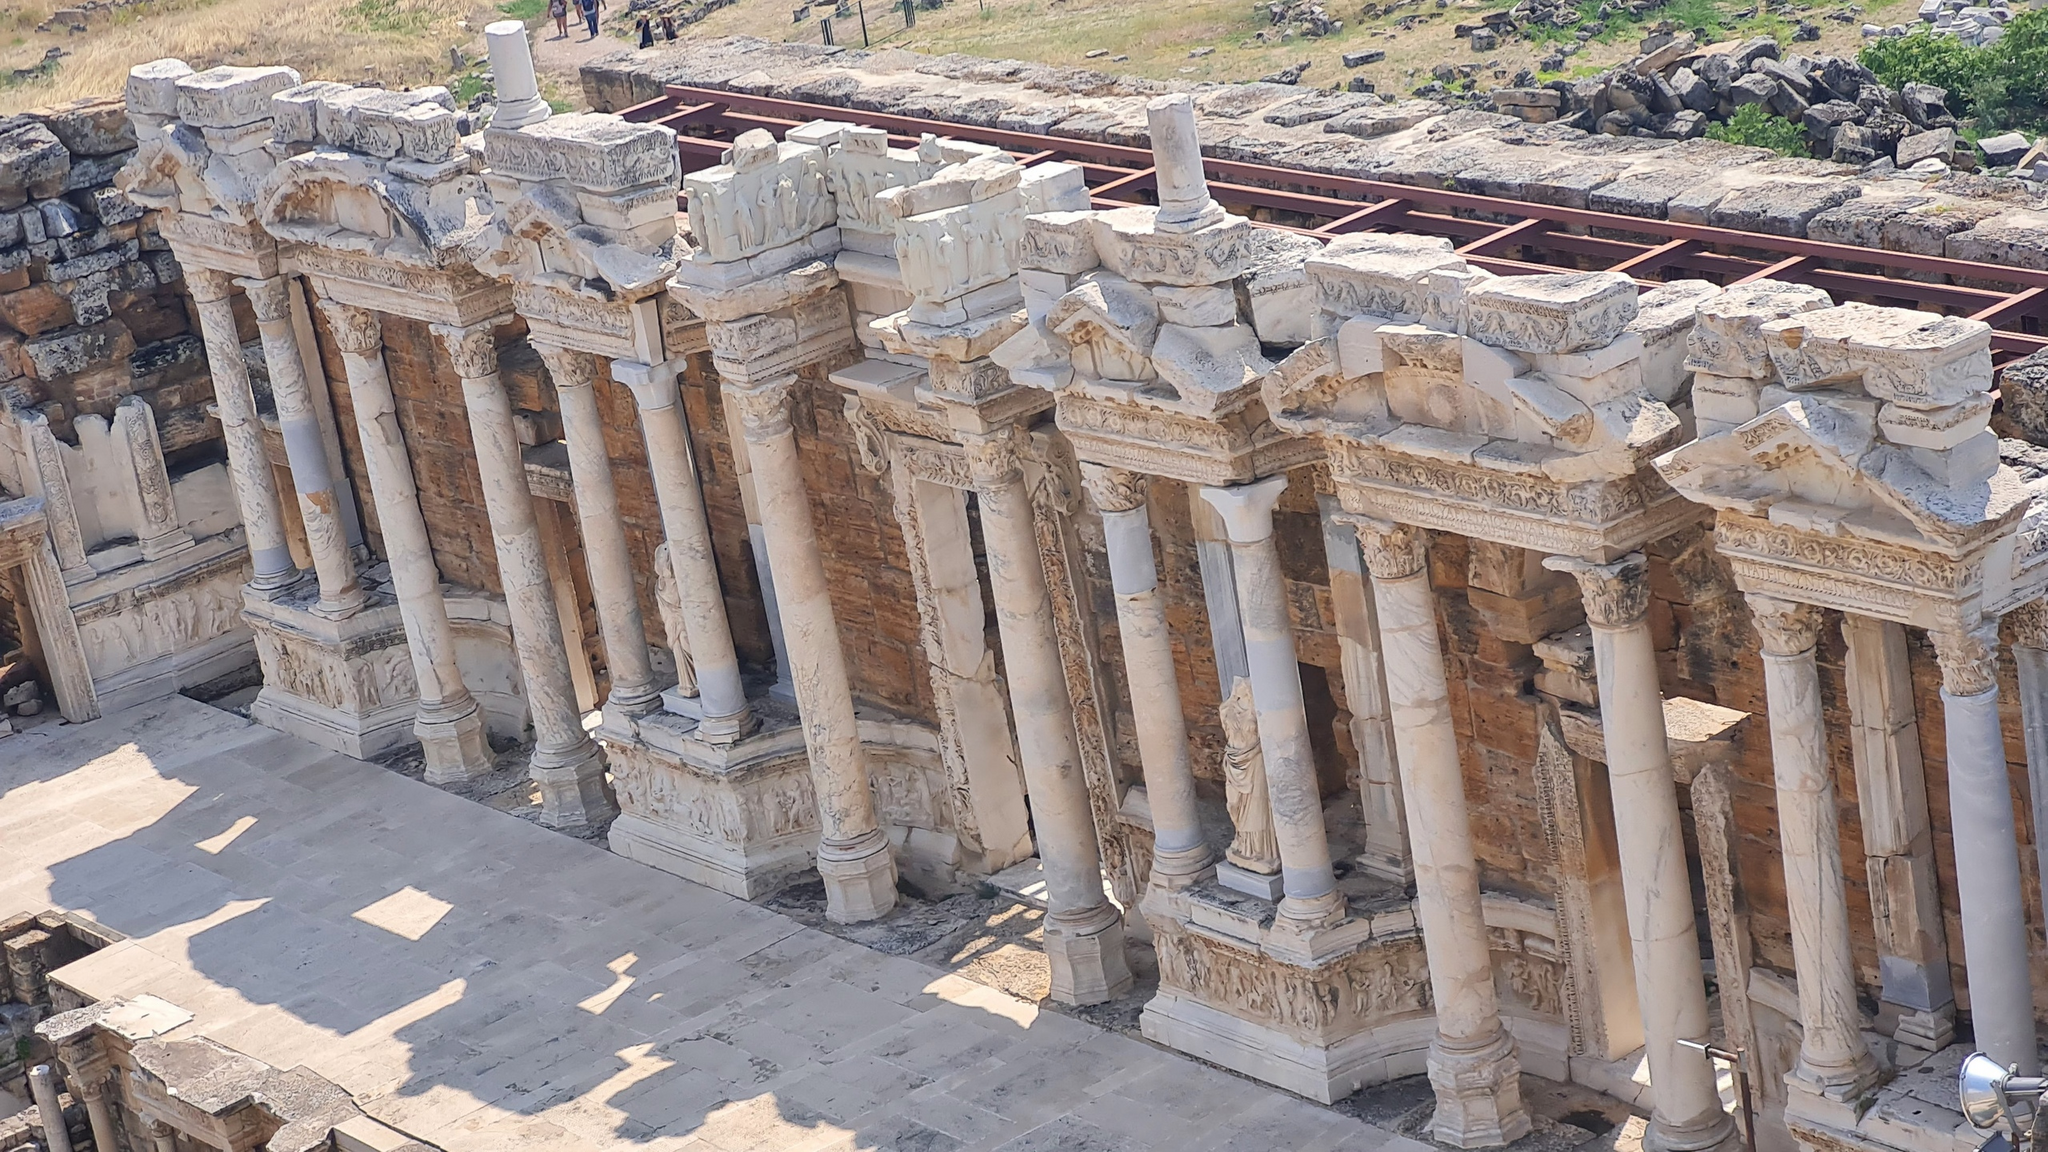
(1974, 24)
(1361, 59)
(1289, 75)
(1302, 18)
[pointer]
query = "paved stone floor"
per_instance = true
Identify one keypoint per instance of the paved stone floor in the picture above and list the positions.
(486, 984)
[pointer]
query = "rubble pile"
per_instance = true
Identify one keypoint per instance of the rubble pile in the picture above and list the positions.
(1977, 25)
(1675, 89)
(1291, 18)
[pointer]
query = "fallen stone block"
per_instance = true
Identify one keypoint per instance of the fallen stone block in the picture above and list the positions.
(1937, 143)
(2002, 150)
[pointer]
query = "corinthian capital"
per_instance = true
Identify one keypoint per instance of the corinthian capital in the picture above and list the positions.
(208, 285)
(1787, 628)
(1113, 489)
(356, 331)
(1617, 595)
(2030, 624)
(764, 408)
(473, 347)
(1392, 551)
(567, 367)
(1968, 657)
(268, 297)
(992, 460)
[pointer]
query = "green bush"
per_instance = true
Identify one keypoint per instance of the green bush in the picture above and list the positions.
(2013, 90)
(1754, 126)
(1924, 58)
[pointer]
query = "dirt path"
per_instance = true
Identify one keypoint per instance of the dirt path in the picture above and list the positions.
(558, 59)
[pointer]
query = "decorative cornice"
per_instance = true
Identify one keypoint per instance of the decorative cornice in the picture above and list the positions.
(1617, 595)
(1968, 658)
(1114, 489)
(356, 331)
(1786, 627)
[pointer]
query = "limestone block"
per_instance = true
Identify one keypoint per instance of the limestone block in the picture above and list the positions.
(1726, 401)
(1131, 244)
(1726, 339)
(1936, 427)
(1054, 186)
(821, 133)
(1972, 461)
(863, 167)
(1380, 274)
(1111, 323)
(32, 158)
(230, 97)
(1283, 301)
(94, 126)
(1567, 312)
(1358, 345)
(152, 88)
(1545, 411)
(1060, 242)
(949, 252)
(1209, 366)
(1041, 290)
(294, 112)
(1914, 359)
(368, 120)
(771, 195)
(1197, 307)
(595, 152)
(1664, 320)
(981, 179)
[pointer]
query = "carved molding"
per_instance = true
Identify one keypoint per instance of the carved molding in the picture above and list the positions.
(1968, 658)
(1114, 489)
(356, 331)
(868, 437)
(1617, 595)
(1787, 628)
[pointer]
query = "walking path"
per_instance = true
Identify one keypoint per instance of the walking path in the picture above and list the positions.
(488, 985)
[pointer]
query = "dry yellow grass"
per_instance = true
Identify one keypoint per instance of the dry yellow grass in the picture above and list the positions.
(394, 42)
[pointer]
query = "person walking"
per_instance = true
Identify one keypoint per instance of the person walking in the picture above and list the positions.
(559, 9)
(590, 10)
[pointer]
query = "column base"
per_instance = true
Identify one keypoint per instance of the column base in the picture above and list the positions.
(573, 789)
(1716, 1130)
(346, 685)
(1478, 1094)
(453, 743)
(860, 879)
(341, 607)
(1087, 956)
(1927, 1031)
(273, 585)
(633, 703)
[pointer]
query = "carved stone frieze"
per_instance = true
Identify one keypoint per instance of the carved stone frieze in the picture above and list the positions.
(1369, 987)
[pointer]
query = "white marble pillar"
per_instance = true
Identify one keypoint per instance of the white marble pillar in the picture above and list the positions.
(1473, 1064)
(305, 447)
(235, 403)
(1311, 898)
(853, 852)
(1833, 1061)
(518, 88)
(566, 765)
(42, 1085)
(1180, 856)
(605, 553)
(1988, 882)
(97, 1115)
(448, 723)
(1670, 982)
(2030, 663)
(722, 696)
(1084, 935)
(161, 532)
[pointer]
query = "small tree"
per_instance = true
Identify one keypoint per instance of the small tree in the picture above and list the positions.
(1754, 126)
(1924, 58)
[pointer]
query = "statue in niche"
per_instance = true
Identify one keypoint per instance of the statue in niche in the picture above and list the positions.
(668, 598)
(1254, 848)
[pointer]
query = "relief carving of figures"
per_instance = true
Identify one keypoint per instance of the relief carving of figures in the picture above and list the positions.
(1255, 848)
(1533, 983)
(668, 599)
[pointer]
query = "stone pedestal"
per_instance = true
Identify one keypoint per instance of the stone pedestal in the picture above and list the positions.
(345, 684)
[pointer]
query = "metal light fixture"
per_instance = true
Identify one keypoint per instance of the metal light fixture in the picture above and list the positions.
(1996, 1097)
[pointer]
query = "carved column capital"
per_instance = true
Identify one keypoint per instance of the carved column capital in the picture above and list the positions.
(1392, 551)
(992, 460)
(268, 297)
(568, 367)
(1114, 489)
(653, 385)
(764, 408)
(1968, 657)
(208, 285)
(356, 331)
(1247, 509)
(1786, 627)
(2029, 624)
(473, 347)
(1617, 595)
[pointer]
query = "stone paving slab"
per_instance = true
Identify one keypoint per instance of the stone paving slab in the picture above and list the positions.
(488, 985)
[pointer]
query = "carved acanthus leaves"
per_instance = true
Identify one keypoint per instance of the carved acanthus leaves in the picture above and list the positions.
(208, 285)
(472, 347)
(269, 298)
(992, 459)
(1392, 551)
(867, 436)
(1114, 489)
(1968, 657)
(567, 367)
(1617, 595)
(356, 331)
(764, 408)
(1786, 627)
(2030, 624)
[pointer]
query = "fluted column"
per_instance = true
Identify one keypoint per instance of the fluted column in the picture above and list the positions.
(2030, 663)
(1084, 936)
(235, 403)
(605, 553)
(1311, 898)
(1833, 1060)
(97, 1115)
(1670, 983)
(1473, 1065)
(305, 446)
(566, 765)
(1988, 883)
(726, 715)
(853, 852)
(448, 722)
(1179, 854)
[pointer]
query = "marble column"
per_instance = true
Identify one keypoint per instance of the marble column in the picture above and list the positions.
(42, 1086)
(605, 553)
(727, 717)
(566, 764)
(1180, 856)
(2030, 663)
(853, 853)
(1670, 982)
(1473, 1065)
(162, 1137)
(97, 1115)
(1311, 899)
(161, 533)
(1833, 1060)
(1988, 882)
(449, 723)
(305, 447)
(1084, 933)
(235, 403)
